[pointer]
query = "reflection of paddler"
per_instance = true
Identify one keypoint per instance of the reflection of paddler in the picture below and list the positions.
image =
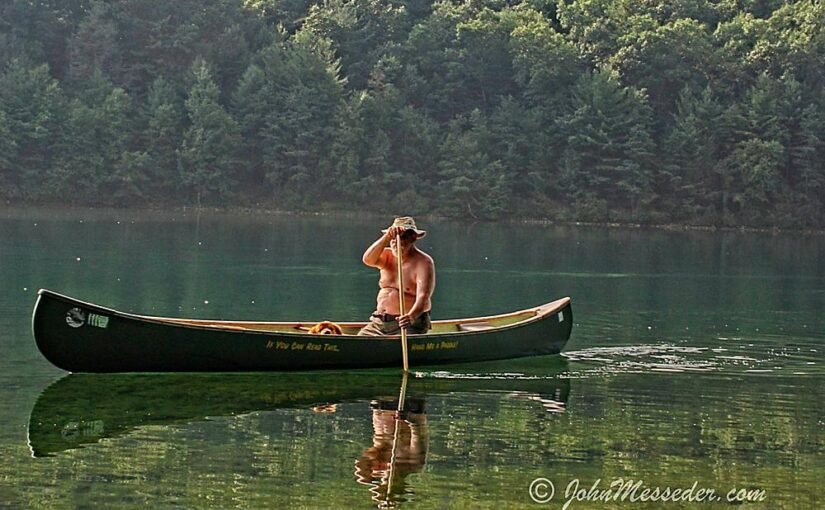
(411, 441)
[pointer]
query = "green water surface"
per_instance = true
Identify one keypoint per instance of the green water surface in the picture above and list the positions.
(696, 360)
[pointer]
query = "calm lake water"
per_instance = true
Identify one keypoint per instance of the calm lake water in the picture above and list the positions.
(696, 360)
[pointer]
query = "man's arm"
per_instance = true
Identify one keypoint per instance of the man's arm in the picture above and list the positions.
(377, 255)
(373, 257)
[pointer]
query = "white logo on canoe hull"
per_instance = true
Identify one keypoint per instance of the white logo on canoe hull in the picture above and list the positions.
(75, 317)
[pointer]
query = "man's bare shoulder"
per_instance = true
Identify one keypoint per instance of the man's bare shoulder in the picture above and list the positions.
(425, 257)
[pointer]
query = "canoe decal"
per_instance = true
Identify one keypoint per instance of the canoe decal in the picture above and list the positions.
(75, 317)
(301, 346)
(435, 346)
(99, 321)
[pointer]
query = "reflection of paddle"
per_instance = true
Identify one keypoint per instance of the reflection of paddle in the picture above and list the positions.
(401, 305)
(401, 396)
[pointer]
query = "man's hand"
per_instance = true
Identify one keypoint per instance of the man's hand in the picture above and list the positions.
(394, 232)
(404, 321)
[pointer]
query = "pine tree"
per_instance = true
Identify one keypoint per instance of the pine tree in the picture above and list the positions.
(164, 136)
(95, 141)
(808, 156)
(525, 148)
(8, 155)
(606, 158)
(687, 184)
(127, 172)
(208, 154)
(94, 47)
(251, 104)
(362, 33)
(301, 126)
(472, 182)
(35, 111)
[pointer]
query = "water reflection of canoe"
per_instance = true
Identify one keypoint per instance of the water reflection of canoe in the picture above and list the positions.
(84, 337)
(82, 408)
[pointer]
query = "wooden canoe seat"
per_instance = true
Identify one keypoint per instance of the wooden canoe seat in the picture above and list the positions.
(475, 326)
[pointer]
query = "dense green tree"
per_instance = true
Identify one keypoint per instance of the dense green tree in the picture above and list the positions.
(665, 59)
(754, 167)
(807, 160)
(163, 136)
(758, 8)
(687, 182)
(38, 29)
(786, 38)
(346, 154)
(93, 48)
(12, 41)
(528, 150)
(781, 141)
(466, 57)
(759, 162)
(415, 140)
(384, 145)
(159, 38)
(484, 42)
(300, 127)
(361, 32)
(8, 155)
(731, 123)
(208, 155)
(91, 149)
(286, 13)
(606, 158)
(433, 76)
(794, 40)
(735, 40)
(251, 106)
(602, 29)
(546, 65)
(35, 111)
(371, 117)
(473, 182)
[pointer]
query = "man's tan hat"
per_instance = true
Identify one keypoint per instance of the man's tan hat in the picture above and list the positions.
(408, 223)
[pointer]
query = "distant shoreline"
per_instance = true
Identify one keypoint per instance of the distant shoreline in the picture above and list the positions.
(265, 211)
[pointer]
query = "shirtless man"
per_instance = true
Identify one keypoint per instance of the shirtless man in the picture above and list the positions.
(419, 282)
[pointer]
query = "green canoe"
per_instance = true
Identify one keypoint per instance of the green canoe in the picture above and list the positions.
(83, 337)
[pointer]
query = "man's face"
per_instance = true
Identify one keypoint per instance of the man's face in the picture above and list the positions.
(407, 238)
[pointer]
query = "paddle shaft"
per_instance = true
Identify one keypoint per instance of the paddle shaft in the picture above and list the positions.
(401, 307)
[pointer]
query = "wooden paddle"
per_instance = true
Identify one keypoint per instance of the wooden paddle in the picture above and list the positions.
(401, 306)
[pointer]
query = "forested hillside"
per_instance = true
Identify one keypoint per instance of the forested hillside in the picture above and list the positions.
(686, 111)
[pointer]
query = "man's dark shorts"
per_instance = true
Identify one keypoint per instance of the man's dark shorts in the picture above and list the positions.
(387, 325)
